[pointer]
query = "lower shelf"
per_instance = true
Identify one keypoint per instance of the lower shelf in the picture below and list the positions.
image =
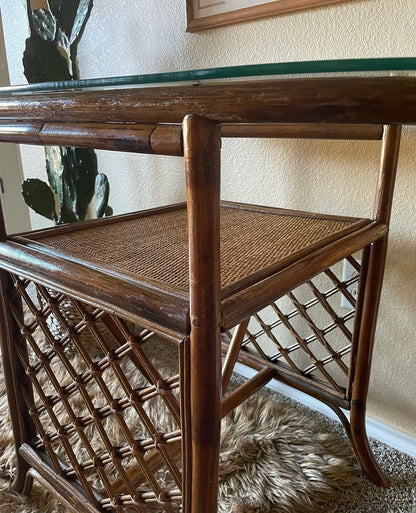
(137, 264)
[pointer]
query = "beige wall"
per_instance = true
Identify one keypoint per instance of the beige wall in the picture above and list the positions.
(16, 216)
(130, 37)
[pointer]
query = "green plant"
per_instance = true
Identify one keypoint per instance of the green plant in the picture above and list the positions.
(51, 55)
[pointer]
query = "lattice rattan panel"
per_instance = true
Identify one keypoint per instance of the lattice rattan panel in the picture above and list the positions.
(309, 332)
(106, 410)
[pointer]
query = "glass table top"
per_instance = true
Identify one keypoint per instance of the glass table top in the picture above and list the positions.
(400, 66)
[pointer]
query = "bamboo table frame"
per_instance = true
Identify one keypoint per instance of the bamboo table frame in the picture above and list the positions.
(190, 121)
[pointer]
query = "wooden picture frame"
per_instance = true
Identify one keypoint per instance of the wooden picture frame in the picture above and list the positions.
(203, 14)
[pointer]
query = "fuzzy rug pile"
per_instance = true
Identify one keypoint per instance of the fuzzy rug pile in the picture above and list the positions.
(274, 459)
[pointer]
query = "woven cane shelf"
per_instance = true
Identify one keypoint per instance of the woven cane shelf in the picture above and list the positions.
(150, 249)
(207, 283)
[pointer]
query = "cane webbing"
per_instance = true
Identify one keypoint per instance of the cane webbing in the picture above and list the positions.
(156, 246)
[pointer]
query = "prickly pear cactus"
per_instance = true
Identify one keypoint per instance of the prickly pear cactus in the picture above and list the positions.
(51, 55)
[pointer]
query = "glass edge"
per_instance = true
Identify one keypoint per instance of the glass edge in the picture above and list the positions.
(251, 70)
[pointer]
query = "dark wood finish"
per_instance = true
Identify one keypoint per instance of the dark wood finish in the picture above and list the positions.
(69, 277)
(154, 462)
(232, 354)
(370, 300)
(105, 279)
(63, 499)
(17, 385)
(163, 139)
(150, 138)
(302, 383)
(242, 304)
(235, 398)
(3, 231)
(291, 212)
(167, 140)
(339, 100)
(387, 176)
(190, 121)
(69, 491)
(202, 168)
(185, 386)
(303, 131)
(25, 238)
(310, 252)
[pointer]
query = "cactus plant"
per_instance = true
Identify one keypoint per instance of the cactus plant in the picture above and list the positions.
(51, 55)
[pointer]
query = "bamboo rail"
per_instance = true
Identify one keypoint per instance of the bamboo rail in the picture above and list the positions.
(349, 100)
(164, 139)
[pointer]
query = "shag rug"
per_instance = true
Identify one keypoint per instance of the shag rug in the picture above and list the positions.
(274, 459)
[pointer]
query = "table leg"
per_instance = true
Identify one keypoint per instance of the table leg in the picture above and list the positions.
(202, 436)
(16, 380)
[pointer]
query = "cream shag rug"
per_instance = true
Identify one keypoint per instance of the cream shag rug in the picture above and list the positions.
(273, 459)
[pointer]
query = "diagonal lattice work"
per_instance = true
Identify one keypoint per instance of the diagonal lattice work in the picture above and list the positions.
(309, 332)
(106, 410)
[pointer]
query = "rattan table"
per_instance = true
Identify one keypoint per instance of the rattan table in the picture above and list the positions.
(82, 303)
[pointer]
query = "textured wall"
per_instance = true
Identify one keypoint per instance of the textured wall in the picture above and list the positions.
(129, 37)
